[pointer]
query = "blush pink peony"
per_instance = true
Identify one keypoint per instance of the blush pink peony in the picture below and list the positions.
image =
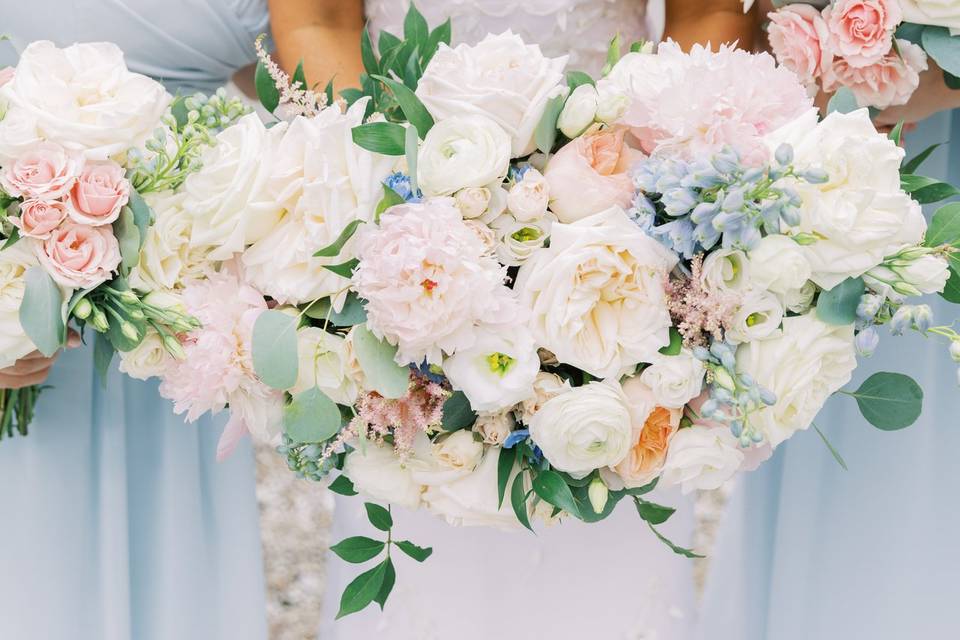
(79, 256)
(39, 218)
(889, 82)
(46, 172)
(801, 41)
(99, 193)
(862, 30)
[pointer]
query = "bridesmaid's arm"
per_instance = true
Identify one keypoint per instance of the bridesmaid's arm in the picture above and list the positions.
(715, 21)
(324, 33)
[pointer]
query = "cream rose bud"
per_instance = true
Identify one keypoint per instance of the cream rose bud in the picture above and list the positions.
(545, 386)
(474, 79)
(494, 427)
(461, 152)
(472, 201)
(527, 199)
(579, 111)
(701, 458)
(758, 316)
(779, 265)
(674, 380)
(584, 429)
(725, 270)
(928, 274)
(803, 365)
(148, 359)
(378, 472)
(324, 364)
(459, 450)
(939, 13)
(498, 371)
(611, 103)
(14, 262)
(517, 242)
(472, 499)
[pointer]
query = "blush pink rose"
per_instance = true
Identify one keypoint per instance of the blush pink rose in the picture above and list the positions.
(46, 172)
(98, 194)
(589, 175)
(862, 30)
(889, 82)
(800, 41)
(39, 218)
(6, 75)
(80, 256)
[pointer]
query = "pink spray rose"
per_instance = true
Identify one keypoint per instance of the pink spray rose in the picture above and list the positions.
(45, 172)
(39, 218)
(889, 82)
(862, 30)
(98, 194)
(589, 175)
(801, 41)
(80, 256)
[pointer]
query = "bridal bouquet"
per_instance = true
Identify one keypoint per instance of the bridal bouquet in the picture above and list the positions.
(875, 49)
(85, 146)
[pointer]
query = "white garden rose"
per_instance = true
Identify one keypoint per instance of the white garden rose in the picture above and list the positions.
(527, 199)
(579, 111)
(596, 294)
(611, 103)
(501, 78)
(800, 300)
(779, 265)
(498, 370)
(18, 134)
(587, 428)
(147, 360)
(472, 500)
(517, 242)
(674, 380)
(460, 152)
(378, 472)
(473, 201)
(84, 98)
(757, 317)
(701, 458)
(545, 386)
(167, 258)
(803, 365)
(459, 450)
(14, 262)
(494, 427)
(939, 13)
(324, 364)
(725, 270)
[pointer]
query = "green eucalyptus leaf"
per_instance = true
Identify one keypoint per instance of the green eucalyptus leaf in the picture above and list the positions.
(843, 101)
(889, 401)
(358, 549)
(311, 416)
(376, 358)
(839, 305)
(362, 590)
(128, 237)
(546, 132)
(353, 311)
(275, 349)
(943, 48)
(41, 311)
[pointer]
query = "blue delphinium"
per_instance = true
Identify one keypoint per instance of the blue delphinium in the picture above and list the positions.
(400, 184)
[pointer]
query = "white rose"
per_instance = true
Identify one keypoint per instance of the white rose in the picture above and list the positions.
(324, 364)
(501, 78)
(939, 13)
(472, 201)
(579, 111)
(611, 103)
(497, 371)
(471, 500)
(494, 427)
(378, 472)
(800, 300)
(758, 316)
(167, 258)
(18, 133)
(779, 265)
(84, 98)
(927, 274)
(807, 362)
(147, 360)
(860, 215)
(726, 270)
(527, 200)
(584, 429)
(674, 380)
(459, 450)
(14, 262)
(460, 152)
(517, 242)
(596, 294)
(545, 386)
(701, 458)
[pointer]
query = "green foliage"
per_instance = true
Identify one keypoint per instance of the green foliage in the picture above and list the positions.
(518, 501)
(343, 486)
(843, 101)
(352, 312)
(417, 553)
(334, 248)
(267, 91)
(549, 486)
(505, 462)
(676, 343)
(943, 48)
(686, 553)
(358, 549)
(652, 512)
(889, 401)
(545, 135)
(457, 412)
(410, 105)
(362, 590)
(386, 138)
(378, 516)
(836, 454)
(577, 78)
(376, 358)
(926, 190)
(839, 305)
(311, 416)
(944, 228)
(41, 311)
(275, 349)
(914, 163)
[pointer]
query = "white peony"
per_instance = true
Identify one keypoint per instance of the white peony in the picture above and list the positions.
(84, 97)
(701, 458)
(471, 500)
(325, 364)
(148, 359)
(18, 134)
(378, 472)
(587, 428)
(14, 262)
(501, 78)
(939, 13)
(674, 380)
(726, 270)
(596, 294)
(779, 265)
(461, 152)
(803, 365)
(757, 317)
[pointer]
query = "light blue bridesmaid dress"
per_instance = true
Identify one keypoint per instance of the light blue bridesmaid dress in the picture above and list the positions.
(116, 521)
(809, 551)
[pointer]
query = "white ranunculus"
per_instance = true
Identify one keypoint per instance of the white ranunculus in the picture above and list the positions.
(779, 265)
(674, 380)
(14, 262)
(725, 270)
(472, 500)
(527, 200)
(701, 458)
(596, 294)
(517, 242)
(458, 451)
(545, 386)
(461, 152)
(587, 428)
(227, 198)
(147, 360)
(807, 362)
(758, 316)
(497, 371)
(501, 78)
(325, 364)
(472, 201)
(494, 427)
(378, 472)
(579, 111)
(939, 13)
(860, 215)
(84, 97)
(18, 133)
(167, 258)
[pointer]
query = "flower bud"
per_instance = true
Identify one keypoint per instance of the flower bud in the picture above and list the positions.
(804, 239)
(579, 111)
(83, 309)
(866, 342)
(901, 320)
(869, 306)
(472, 201)
(610, 105)
(598, 494)
(129, 331)
(815, 176)
(173, 347)
(99, 320)
(128, 297)
(784, 154)
(923, 317)
(724, 379)
(955, 350)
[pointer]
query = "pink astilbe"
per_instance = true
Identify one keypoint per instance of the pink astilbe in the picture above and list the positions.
(698, 313)
(296, 99)
(418, 411)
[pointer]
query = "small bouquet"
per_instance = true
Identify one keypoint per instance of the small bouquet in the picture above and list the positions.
(84, 146)
(871, 50)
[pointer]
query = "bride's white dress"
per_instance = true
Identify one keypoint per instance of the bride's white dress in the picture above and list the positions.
(608, 581)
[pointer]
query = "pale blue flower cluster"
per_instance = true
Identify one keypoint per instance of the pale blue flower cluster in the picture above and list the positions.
(401, 184)
(875, 309)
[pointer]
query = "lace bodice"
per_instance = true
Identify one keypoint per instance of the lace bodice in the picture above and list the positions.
(581, 28)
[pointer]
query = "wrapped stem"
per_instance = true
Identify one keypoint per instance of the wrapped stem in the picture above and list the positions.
(16, 410)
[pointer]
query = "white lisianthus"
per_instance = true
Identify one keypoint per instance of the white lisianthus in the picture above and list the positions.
(579, 111)
(472, 499)
(545, 386)
(167, 259)
(674, 380)
(611, 103)
(494, 427)
(701, 458)
(147, 360)
(758, 316)
(458, 451)
(461, 152)
(527, 200)
(324, 364)
(473, 201)
(807, 362)
(596, 294)
(518, 241)
(501, 77)
(779, 265)
(939, 13)
(378, 472)
(725, 270)
(84, 98)
(498, 371)
(14, 262)
(587, 428)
